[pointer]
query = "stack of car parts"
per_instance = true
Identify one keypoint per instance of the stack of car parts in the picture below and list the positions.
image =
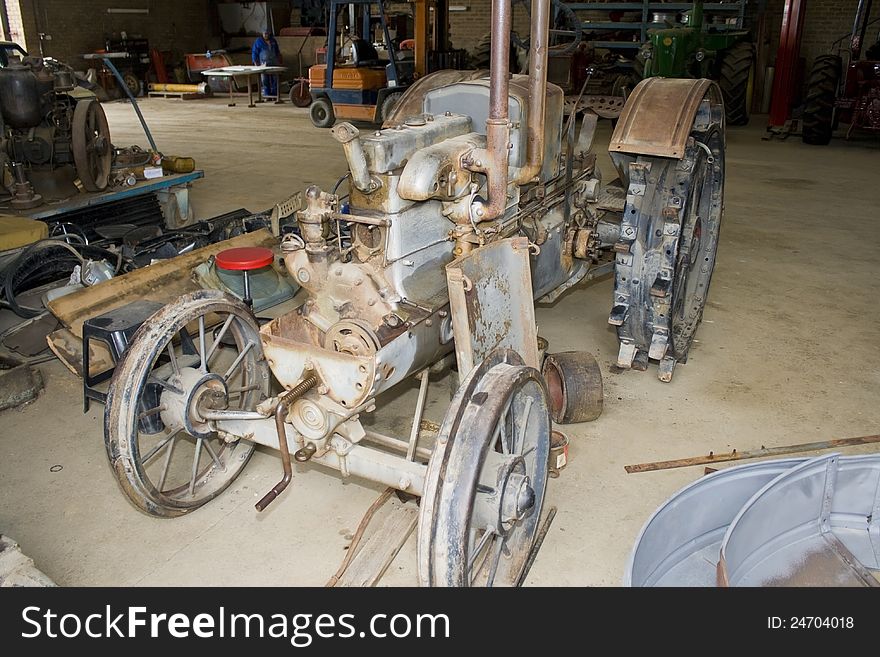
(792, 522)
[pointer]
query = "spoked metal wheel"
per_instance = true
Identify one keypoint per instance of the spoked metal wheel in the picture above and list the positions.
(670, 224)
(200, 353)
(92, 150)
(486, 478)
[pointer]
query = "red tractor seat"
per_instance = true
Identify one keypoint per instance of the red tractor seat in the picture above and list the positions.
(245, 258)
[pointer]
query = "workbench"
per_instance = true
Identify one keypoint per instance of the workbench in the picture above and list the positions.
(249, 72)
(172, 192)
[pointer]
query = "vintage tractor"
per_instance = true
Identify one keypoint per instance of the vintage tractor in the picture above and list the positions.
(474, 199)
(853, 98)
(696, 51)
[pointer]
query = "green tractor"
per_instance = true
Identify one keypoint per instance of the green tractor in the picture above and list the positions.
(694, 52)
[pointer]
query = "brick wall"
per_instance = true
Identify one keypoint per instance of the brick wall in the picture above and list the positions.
(82, 26)
(827, 20)
(466, 28)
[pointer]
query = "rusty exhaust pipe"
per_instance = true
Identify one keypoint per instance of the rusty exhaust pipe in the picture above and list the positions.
(493, 161)
(540, 32)
(280, 416)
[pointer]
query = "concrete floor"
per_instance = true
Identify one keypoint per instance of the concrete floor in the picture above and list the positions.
(787, 353)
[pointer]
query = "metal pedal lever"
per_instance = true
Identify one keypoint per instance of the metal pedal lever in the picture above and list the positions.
(280, 416)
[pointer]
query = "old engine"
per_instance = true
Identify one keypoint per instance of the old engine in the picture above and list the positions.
(54, 136)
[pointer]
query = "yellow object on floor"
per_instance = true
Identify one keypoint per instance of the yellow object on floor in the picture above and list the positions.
(16, 232)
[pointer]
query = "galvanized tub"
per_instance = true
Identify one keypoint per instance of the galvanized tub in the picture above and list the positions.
(786, 522)
(818, 524)
(680, 543)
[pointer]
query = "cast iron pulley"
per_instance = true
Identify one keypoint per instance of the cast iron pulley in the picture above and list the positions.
(92, 150)
(486, 479)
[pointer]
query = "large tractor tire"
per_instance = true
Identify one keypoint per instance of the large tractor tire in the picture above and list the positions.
(818, 117)
(735, 81)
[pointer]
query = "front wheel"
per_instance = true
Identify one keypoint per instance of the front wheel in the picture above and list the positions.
(321, 113)
(486, 479)
(167, 458)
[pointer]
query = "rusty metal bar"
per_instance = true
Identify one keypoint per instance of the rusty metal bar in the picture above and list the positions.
(539, 541)
(711, 457)
(499, 66)
(417, 417)
(395, 444)
(540, 29)
(496, 166)
(360, 219)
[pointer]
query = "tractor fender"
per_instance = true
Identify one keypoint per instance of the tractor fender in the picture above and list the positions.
(659, 114)
(658, 118)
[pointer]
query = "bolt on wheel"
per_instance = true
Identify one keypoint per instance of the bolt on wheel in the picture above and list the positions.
(167, 457)
(486, 478)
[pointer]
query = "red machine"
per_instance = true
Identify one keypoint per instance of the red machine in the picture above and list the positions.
(854, 99)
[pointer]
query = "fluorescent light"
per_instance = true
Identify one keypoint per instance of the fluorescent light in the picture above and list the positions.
(458, 8)
(123, 10)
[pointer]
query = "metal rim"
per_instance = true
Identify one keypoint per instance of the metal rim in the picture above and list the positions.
(133, 83)
(487, 478)
(92, 150)
(167, 459)
(698, 244)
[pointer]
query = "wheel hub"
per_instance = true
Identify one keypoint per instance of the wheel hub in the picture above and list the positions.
(195, 392)
(505, 495)
(517, 499)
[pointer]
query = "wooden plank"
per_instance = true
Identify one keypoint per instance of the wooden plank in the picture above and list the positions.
(388, 532)
(163, 281)
(68, 348)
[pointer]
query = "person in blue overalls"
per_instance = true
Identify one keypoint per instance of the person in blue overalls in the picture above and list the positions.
(267, 53)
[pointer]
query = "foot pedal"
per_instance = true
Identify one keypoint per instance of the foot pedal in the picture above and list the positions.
(664, 372)
(617, 316)
(659, 345)
(626, 355)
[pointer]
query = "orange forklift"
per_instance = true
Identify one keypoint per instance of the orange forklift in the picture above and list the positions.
(365, 87)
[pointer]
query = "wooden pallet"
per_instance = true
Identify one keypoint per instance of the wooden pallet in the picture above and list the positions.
(388, 530)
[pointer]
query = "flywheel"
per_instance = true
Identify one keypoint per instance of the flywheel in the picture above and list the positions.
(92, 149)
